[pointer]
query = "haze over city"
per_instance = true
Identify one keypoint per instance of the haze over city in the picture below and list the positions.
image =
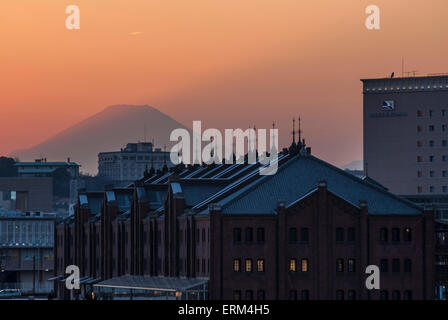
(229, 64)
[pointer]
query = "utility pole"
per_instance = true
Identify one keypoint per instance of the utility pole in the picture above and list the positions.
(34, 274)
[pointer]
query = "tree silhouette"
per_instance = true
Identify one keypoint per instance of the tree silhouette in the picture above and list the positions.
(7, 168)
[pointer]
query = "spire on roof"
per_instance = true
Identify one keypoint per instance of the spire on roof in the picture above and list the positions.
(293, 131)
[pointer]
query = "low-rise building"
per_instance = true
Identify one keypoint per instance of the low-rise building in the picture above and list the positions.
(130, 163)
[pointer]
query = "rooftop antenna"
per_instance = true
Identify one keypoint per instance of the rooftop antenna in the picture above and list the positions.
(293, 130)
(273, 125)
(402, 67)
(299, 131)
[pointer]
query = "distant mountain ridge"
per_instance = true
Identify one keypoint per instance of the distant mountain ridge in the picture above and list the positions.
(108, 130)
(354, 165)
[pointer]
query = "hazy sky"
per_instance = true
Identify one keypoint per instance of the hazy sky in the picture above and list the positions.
(230, 63)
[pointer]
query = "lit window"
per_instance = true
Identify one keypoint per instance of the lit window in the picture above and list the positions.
(419, 159)
(293, 265)
(236, 265)
(419, 143)
(419, 189)
(419, 128)
(304, 265)
(260, 265)
(419, 174)
(248, 265)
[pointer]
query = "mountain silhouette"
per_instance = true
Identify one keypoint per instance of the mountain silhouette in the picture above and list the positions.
(108, 130)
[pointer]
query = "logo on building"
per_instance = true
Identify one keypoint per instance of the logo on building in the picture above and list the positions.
(388, 105)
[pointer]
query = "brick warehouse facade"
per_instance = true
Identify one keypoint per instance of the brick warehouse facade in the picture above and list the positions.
(307, 232)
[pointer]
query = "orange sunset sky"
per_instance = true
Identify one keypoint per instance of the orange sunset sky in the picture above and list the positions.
(230, 63)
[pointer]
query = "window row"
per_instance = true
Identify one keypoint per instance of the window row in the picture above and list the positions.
(432, 143)
(431, 113)
(304, 294)
(248, 265)
(249, 295)
(432, 158)
(431, 128)
(202, 235)
(396, 295)
(407, 234)
(340, 235)
(396, 265)
(432, 174)
(432, 189)
(304, 235)
(304, 265)
(351, 265)
(248, 235)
